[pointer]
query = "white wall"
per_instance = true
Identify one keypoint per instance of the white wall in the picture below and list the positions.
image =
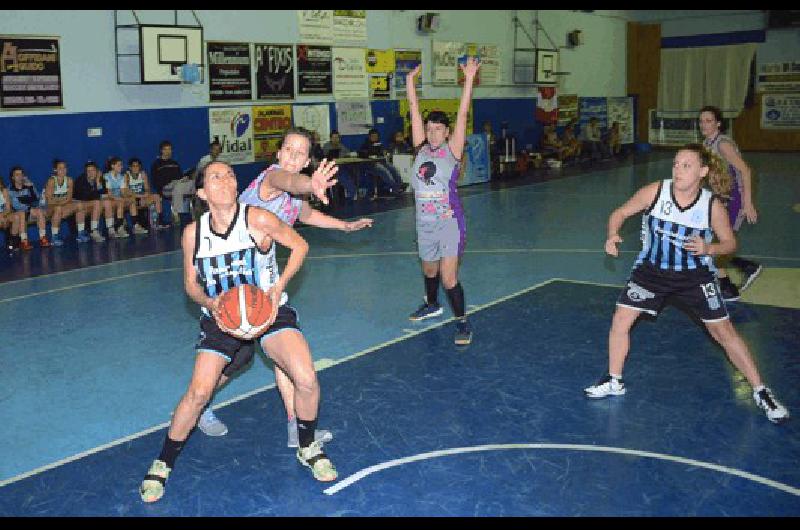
(89, 71)
(781, 45)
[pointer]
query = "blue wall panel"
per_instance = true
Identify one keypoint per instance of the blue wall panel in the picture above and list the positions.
(34, 141)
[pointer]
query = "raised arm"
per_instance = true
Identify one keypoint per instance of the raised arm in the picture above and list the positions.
(417, 128)
(641, 199)
(297, 184)
(459, 134)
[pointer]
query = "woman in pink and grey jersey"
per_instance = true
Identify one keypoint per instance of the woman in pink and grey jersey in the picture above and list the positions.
(441, 226)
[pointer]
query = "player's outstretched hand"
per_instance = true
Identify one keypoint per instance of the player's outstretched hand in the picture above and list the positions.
(322, 179)
(353, 226)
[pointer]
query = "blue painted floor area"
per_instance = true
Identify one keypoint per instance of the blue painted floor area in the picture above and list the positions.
(519, 382)
(94, 354)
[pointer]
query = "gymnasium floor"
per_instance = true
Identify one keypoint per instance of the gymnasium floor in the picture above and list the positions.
(94, 359)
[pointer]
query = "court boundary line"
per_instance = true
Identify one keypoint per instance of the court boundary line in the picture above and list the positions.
(345, 256)
(113, 443)
(355, 477)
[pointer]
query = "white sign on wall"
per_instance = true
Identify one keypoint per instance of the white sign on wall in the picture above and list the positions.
(315, 26)
(350, 74)
(233, 128)
(780, 111)
(314, 118)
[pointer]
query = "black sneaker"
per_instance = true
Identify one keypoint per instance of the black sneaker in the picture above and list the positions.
(426, 311)
(729, 291)
(463, 333)
(750, 272)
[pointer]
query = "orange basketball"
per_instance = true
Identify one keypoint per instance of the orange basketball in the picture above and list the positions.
(244, 311)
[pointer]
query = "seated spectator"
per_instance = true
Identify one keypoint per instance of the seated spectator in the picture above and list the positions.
(214, 150)
(9, 218)
(87, 192)
(494, 153)
(60, 204)
(24, 198)
(614, 140)
(138, 186)
(373, 148)
(334, 148)
(551, 145)
(593, 139)
(400, 145)
(316, 152)
(114, 181)
(165, 174)
(570, 141)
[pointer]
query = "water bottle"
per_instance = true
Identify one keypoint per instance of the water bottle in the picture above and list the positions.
(153, 217)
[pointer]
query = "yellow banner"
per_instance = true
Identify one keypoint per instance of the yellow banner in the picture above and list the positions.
(380, 61)
(448, 106)
(269, 124)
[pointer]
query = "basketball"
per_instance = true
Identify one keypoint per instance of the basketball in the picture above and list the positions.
(244, 311)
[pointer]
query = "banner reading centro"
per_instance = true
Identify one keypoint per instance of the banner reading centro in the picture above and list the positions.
(269, 124)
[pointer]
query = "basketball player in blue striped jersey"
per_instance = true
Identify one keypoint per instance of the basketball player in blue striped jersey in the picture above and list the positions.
(274, 189)
(677, 261)
(233, 244)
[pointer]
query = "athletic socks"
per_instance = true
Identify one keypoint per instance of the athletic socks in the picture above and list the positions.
(81, 227)
(170, 451)
(305, 431)
(456, 297)
(432, 290)
(94, 226)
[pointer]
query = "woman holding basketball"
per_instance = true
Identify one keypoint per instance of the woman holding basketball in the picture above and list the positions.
(233, 244)
(271, 191)
(441, 226)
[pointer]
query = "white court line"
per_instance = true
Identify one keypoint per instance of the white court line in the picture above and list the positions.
(362, 255)
(259, 390)
(86, 284)
(355, 477)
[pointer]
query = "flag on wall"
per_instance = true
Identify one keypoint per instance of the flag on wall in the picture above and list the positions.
(547, 105)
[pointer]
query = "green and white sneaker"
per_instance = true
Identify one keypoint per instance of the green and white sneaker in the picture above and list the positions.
(152, 488)
(314, 458)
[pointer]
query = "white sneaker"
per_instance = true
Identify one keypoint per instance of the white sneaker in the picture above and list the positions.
(97, 237)
(293, 440)
(122, 232)
(140, 230)
(607, 386)
(111, 233)
(210, 424)
(776, 412)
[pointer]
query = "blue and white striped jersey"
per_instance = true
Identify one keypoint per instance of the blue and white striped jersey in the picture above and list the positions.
(666, 227)
(225, 261)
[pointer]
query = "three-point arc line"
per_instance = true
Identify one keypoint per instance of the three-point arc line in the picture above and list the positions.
(569, 447)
